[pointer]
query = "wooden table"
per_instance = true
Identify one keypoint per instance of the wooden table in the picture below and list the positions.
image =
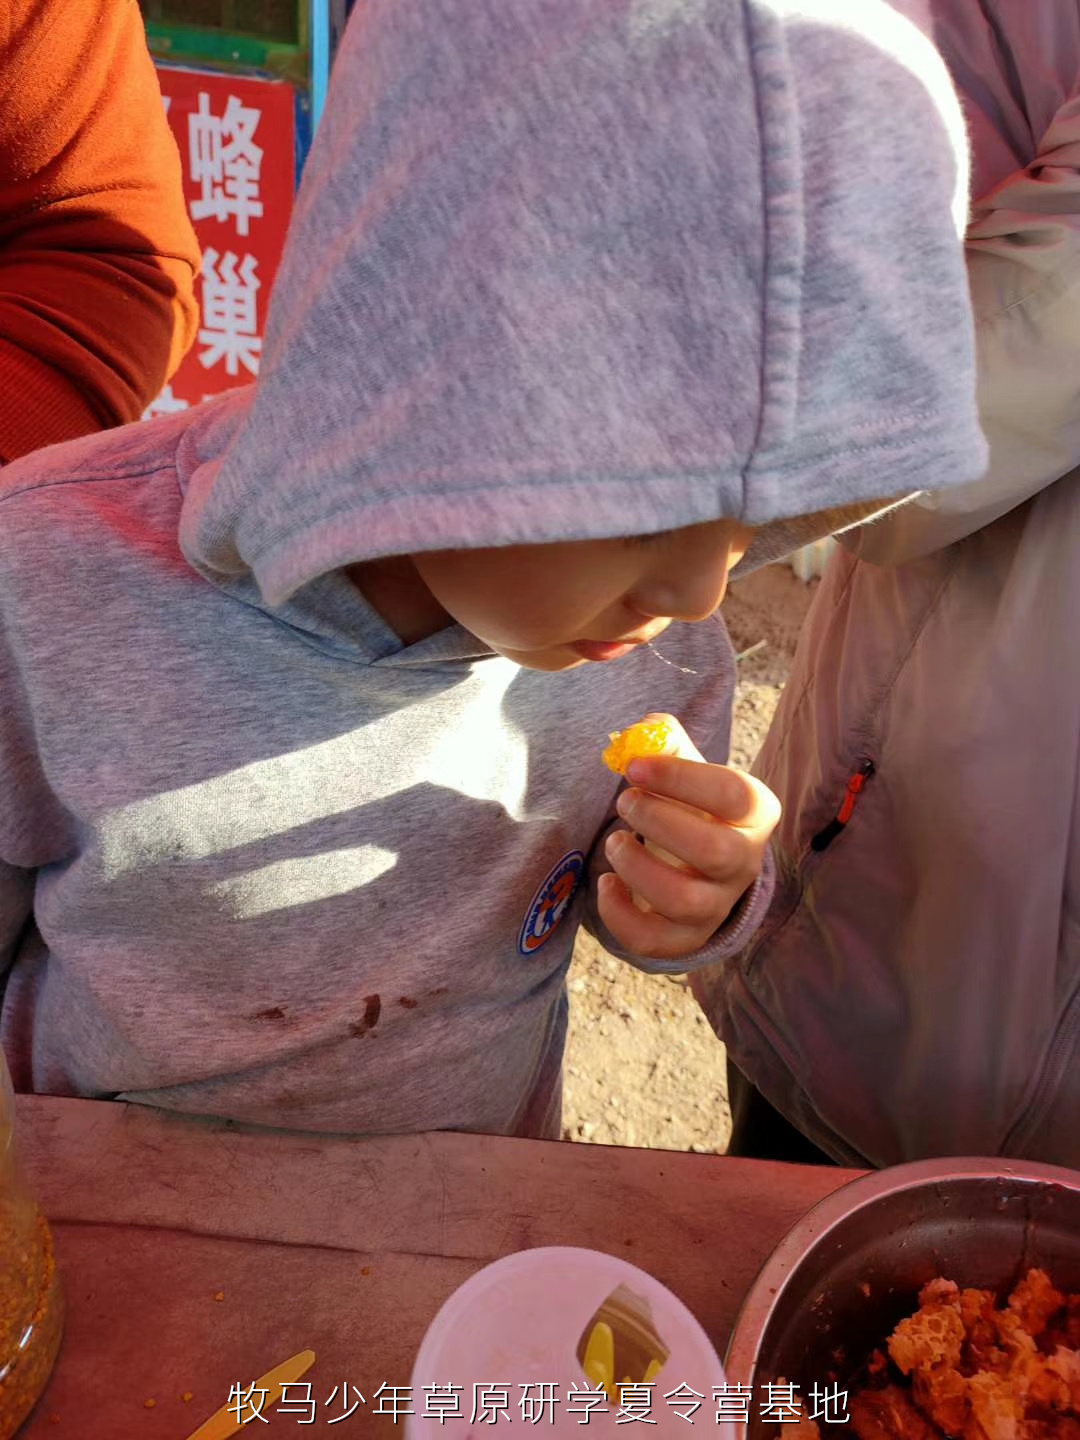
(196, 1254)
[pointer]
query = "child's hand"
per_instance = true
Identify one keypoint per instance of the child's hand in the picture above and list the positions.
(714, 824)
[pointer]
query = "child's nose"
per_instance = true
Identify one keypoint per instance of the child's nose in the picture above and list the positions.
(688, 593)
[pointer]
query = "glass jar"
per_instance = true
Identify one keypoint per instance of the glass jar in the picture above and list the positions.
(31, 1308)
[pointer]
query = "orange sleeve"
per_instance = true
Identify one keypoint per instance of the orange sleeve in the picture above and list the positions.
(97, 254)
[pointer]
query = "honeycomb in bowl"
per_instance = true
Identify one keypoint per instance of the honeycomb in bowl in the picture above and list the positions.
(963, 1367)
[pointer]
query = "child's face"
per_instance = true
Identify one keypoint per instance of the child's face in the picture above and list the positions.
(551, 607)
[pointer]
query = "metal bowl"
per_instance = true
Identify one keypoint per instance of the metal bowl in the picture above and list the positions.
(837, 1284)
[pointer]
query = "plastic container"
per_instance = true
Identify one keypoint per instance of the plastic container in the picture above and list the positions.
(31, 1308)
(556, 1324)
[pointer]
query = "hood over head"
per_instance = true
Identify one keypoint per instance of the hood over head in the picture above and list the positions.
(572, 269)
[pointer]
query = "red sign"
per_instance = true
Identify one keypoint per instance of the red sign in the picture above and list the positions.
(237, 147)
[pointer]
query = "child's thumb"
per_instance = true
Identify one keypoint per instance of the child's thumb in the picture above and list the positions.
(679, 743)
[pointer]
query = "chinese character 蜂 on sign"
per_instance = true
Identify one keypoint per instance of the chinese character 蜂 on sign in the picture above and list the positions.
(224, 160)
(237, 142)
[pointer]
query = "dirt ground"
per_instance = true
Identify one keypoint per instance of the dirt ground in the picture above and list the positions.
(643, 1067)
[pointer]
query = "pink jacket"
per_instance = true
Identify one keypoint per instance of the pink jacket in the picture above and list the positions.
(915, 990)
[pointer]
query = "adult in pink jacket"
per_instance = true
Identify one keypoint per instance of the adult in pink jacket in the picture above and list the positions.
(915, 990)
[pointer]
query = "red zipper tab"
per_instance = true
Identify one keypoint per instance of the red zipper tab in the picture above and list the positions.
(855, 785)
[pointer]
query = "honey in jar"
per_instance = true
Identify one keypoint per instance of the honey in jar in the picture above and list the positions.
(31, 1308)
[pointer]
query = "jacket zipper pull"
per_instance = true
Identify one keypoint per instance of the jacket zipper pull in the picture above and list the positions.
(824, 838)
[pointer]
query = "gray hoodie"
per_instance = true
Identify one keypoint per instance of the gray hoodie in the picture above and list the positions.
(558, 270)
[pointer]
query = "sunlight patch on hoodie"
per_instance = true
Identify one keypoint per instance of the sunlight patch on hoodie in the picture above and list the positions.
(286, 884)
(483, 755)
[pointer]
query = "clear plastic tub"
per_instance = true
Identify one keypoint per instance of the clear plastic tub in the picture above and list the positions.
(538, 1329)
(31, 1307)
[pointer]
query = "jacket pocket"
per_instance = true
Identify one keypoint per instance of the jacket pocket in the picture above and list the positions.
(792, 886)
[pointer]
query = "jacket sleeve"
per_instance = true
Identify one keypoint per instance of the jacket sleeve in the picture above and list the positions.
(97, 254)
(1023, 248)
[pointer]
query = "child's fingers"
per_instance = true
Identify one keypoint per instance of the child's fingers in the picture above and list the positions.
(681, 897)
(731, 795)
(679, 743)
(645, 933)
(713, 847)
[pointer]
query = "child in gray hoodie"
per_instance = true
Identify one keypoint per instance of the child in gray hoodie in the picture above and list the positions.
(580, 300)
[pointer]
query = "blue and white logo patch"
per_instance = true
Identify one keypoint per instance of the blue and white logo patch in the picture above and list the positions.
(551, 902)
